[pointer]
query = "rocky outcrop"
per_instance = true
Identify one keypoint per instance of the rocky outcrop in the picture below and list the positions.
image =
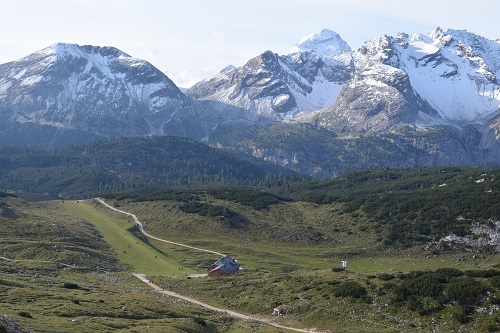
(482, 235)
(8, 325)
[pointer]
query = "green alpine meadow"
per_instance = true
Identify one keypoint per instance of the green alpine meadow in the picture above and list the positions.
(420, 248)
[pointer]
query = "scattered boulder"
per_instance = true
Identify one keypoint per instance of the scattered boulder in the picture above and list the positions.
(7, 325)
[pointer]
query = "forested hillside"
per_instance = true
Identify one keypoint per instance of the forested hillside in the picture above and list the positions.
(402, 207)
(124, 164)
(418, 205)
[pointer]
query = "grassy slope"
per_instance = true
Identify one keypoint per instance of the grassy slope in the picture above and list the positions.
(104, 303)
(285, 263)
(116, 228)
(107, 299)
(286, 260)
(285, 238)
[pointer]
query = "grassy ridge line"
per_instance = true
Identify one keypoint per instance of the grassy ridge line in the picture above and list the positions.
(134, 254)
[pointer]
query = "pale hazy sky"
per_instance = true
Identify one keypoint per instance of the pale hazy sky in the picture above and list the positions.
(193, 39)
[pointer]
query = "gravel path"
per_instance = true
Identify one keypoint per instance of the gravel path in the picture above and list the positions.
(213, 308)
(143, 278)
(141, 228)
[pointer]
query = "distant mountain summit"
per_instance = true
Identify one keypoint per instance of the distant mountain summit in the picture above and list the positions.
(418, 100)
(91, 91)
(443, 78)
(271, 87)
(326, 43)
(456, 71)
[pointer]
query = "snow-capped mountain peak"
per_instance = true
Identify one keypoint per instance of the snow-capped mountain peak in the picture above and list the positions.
(99, 58)
(227, 69)
(326, 43)
(67, 50)
(455, 71)
(93, 89)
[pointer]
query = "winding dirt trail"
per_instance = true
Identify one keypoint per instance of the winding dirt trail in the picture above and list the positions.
(143, 278)
(141, 228)
(213, 308)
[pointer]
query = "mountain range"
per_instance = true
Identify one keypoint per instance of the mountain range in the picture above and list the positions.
(323, 108)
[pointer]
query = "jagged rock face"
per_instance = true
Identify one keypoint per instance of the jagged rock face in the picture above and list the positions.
(455, 71)
(10, 326)
(255, 87)
(434, 96)
(276, 87)
(443, 78)
(93, 89)
(379, 98)
(321, 153)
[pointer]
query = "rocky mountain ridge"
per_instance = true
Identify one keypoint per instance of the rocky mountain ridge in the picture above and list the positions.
(275, 87)
(430, 99)
(443, 78)
(99, 91)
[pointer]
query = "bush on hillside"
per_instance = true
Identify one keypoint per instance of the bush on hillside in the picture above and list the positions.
(255, 199)
(465, 291)
(385, 277)
(70, 285)
(204, 209)
(495, 281)
(487, 273)
(351, 288)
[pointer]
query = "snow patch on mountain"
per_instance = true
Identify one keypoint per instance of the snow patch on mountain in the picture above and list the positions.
(94, 89)
(4, 87)
(455, 71)
(227, 69)
(326, 43)
(31, 80)
(323, 94)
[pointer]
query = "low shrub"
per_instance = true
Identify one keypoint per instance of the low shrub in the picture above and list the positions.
(459, 314)
(386, 277)
(200, 322)
(495, 281)
(70, 285)
(389, 285)
(25, 314)
(351, 288)
(488, 273)
(465, 291)
(204, 209)
(451, 272)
